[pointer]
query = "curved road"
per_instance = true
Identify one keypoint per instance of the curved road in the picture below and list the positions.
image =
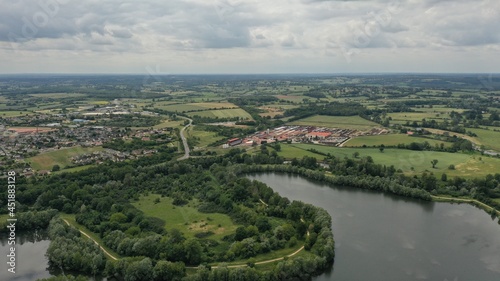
(184, 140)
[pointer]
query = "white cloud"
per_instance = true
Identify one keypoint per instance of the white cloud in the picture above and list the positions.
(264, 36)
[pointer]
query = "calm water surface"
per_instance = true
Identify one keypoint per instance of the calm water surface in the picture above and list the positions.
(383, 237)
(31, 263)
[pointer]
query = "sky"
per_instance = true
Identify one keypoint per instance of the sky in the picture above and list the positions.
(249, 36)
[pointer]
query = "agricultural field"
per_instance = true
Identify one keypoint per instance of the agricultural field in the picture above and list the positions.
(403, 117)
(187, 107)
(164, 124)
(341, 122)
(294, 99)
(489, 138)
(438, 109)
(31, 129)
(289, 151)
(185, 218)
(61, 157)
(410, 162)
(15, 113)
(203, 138)
(390, 140)
(58, 95)
(223, 113)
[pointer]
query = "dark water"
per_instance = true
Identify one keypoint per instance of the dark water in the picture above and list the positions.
(31, 263)
(383, 237)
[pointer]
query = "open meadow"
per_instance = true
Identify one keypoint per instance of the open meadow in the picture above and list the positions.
(222, 113)
(489, 138)
(61, 157)
(390, 140)
(187, 218)
(410, 162)
(188, 107)
(203, 138)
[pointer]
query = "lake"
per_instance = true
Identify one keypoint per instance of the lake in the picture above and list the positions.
(385, 237)
(31, 263)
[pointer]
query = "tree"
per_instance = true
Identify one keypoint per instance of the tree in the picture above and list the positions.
(381, 149)
(434, 162)
(168, 271)
(193, 251)
(444, 177)
(56, 168)
(355, 154)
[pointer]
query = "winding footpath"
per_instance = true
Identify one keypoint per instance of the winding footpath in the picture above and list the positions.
(86, 235)
(194, 267)
(461, 200)
(184, 139)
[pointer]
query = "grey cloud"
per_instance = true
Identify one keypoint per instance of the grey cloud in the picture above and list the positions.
(122, 33)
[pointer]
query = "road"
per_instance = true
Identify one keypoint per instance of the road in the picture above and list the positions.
(184, 139)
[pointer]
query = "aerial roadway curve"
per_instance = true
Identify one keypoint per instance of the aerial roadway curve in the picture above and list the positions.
(184, 139)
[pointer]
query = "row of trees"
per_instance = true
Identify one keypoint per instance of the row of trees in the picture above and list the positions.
(69, 251)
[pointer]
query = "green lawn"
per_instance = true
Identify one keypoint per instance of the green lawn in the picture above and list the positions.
(186, 218)
(61, 157)
(222, 113)
(390, 140)
(342, 122)
(465, 165)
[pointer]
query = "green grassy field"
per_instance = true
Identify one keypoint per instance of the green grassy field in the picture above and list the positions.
(222, 113)
(196, 106)
(61, 157)
(465, 165)
(59, 95)
(74, 169)
(488, 138)
(185, 218)
(342, 122)
(295, 99)
(291, 151)
(438, 109)
(15, 113)
(416, 116)
(164, 124)
(390, 140)
(204, 138)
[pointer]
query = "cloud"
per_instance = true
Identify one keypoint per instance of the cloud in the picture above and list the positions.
(278, 29)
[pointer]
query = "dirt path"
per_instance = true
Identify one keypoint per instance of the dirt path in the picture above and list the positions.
(229, 266)
(272, 260)
(86, 235)
(448, 199)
